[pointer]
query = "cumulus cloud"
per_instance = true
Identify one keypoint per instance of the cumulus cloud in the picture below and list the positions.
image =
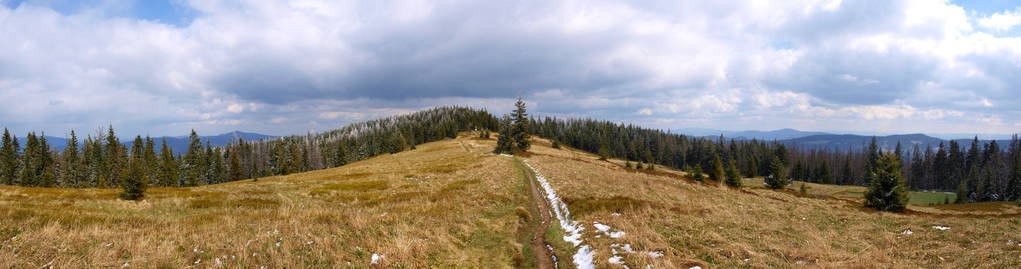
(289, 66)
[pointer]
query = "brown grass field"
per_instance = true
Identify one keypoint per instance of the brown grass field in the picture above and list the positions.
(450, 204)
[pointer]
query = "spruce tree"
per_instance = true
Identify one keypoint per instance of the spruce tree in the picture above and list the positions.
(168, 170)
(822, 175)
(340, 157)
(47, 176)
(718, 173)
(733, 175)
(134, 178)
(887, 190)
(776, 178)
(505, 143)
(74, 169)
(234, 166)
(28, 175)
(697, 174)
(520, 128)
(604, 153)
(194, 161)
(116, 159)
(556, 144)
(9, 160)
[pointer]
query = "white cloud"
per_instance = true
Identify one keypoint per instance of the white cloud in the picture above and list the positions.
(1001, 21)
(298, 62)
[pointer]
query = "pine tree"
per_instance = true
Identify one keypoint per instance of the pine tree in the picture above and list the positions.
(9, 159)
(887, 190)
(718, 173)
(134, 178)
(776, 178)
(962, 192)
(733, 175)
(28, 175)
(627, 164)
(604, 153)
(340, 155)
(822, 175)
(520, 128)
(168, 171)
(871, 161)
(219, 166)
(697, 174)
(74, 169)
(150, 161)
(116, 159)
(505, 143)
(46, 174)
(194, 161)
(234, 166)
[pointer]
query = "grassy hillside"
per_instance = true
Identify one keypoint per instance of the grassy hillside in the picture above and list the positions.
(445, 204)
(452, 204)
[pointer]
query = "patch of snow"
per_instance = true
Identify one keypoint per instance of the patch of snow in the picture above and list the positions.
(278, 244)
(615, 214)
(376, 258)
(583, 258)
(507, 155)
(615, 260)
(908, 231)
(218, 262)
(655, 254)
(941, 228)
(47, 264)
(695, 267)
(108, 244)
(747, 259)
(125, 265)
(606, 230)
(197, 261)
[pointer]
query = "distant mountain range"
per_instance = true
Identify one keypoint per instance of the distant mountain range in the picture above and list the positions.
(841, 142)
(177, 143)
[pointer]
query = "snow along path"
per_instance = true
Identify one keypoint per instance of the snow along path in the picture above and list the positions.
(583, 259)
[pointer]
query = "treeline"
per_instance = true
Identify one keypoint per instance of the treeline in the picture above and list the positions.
(988, 172)
(102, 161)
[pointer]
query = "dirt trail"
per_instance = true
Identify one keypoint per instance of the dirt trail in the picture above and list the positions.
(543, 252)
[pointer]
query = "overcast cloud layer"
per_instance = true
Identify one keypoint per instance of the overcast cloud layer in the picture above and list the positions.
(286, 67)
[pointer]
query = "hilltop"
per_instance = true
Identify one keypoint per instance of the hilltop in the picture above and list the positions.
(451, 203)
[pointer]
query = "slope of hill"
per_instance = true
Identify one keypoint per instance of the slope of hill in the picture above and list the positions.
(452, 204)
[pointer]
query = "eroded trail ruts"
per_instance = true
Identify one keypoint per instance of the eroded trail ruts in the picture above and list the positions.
(543, 252)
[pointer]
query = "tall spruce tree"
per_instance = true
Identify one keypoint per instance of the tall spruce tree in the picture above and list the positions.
(822, 174)
(194, 161)
(28, 174)
(234, 168)
(505, 142)
(134, 178)
(522, 140)
(718, 173)
(733, 175)
(887, 191)
(776, 179)
(169, 169)
(9, 159)
(340, 157)
(74, 168)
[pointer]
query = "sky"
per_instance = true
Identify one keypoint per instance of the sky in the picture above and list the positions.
(164, 67)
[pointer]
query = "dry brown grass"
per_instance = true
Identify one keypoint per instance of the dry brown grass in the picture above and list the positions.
(447, 204)
(705, 224)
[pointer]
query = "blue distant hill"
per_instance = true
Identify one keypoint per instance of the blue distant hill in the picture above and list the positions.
(179, 144)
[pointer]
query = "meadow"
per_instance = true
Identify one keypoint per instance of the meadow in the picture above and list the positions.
(452, 204)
